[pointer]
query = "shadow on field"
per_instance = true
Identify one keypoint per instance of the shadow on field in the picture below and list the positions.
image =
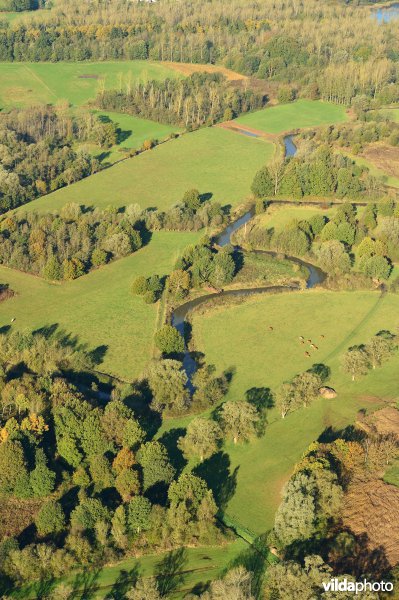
(168, 571)
(169, 439)
(216, 473)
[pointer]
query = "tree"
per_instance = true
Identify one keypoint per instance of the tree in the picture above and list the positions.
(378, 350)
(146, 588)
(169, 340)
(189, 490)
(12, 465)
(167, 381)
(52, 269)
(50, 518)
(209, 390)
(239, 420)
(355, 362)
(332, 257)
(42, 479)
(179, 284)
(192, 199)
(140, 286)
(201, 440)
(88, 513)
(155, 463)
(235, 585)
(127, 483)
(223, 268)
(285, 399)
(138, 514)
(377, 267)
(306, 387)
(263, 184)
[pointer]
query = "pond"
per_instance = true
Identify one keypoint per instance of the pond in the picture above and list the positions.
(290, 148)
(385, 14)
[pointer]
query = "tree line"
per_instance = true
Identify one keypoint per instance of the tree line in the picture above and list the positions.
(70, 244)
(202, 98)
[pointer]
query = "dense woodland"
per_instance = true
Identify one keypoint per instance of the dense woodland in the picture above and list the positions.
(329, 50)
(197, 100)
(38, 154)
(343, 244)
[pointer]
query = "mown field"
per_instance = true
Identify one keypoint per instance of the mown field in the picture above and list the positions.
(98, 308)
(24, 84)
(259, 358)
(289, 117)
(189, 568)
(213, 160)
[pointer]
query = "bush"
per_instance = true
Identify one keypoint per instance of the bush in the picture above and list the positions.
(140, 286)
(169, 340)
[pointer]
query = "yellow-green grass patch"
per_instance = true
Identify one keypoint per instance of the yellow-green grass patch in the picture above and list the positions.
(296, 115)
(24, 84)
(259, 357)
(99, 307)
(214, 160)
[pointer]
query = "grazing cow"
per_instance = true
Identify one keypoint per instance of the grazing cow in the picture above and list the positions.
(302, 341)
(307, 354)
(322, 337)
(301, 338)
(309, 341)
(270, 328)
(12, 320)
(313, 346)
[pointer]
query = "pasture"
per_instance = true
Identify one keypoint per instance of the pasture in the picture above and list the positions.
(24, 84)
(292, 116)
(213, 160)
(132, 133)
(260, 358)
(191, 567)
(98, 309)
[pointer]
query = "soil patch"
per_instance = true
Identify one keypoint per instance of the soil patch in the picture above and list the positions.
(16, 515)
(188, 69)
(6, 293)
(384, 422)
(384, 157)
(246, 130)
(88, 76)
(371, 510)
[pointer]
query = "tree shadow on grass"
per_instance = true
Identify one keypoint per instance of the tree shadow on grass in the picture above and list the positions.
(124, 581)
(254, 560)
(262, 399)
(169, 439)
(169, 573)
(85, 584)
(215, 471)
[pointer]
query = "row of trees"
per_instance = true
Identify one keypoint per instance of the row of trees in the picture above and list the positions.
(316, 172)
(202, 98)
(68, 245)
(358, 360)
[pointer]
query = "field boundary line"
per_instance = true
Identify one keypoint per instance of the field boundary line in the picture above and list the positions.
(41, 81)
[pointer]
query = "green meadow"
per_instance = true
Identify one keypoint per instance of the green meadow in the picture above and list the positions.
(260, 358)
(295, 115)
(213, 160)
(390, 113)
(98, 308)
(193, 567)
(24, 84)
(133, 132)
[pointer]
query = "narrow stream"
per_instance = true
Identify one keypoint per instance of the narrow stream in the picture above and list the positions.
(179, 315)
(290, 147)
(386, 14)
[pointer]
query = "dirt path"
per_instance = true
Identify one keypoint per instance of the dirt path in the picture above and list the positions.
(248, 131)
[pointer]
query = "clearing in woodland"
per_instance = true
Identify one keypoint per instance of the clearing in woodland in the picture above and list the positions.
(292, 116)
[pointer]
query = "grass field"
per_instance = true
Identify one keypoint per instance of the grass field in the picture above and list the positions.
(375, 171)
(98, 308)
(24, 84)
(194, 568)
(391, 113)
(289, 117)
(262, 358)
(213, 160)
(133, 133)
